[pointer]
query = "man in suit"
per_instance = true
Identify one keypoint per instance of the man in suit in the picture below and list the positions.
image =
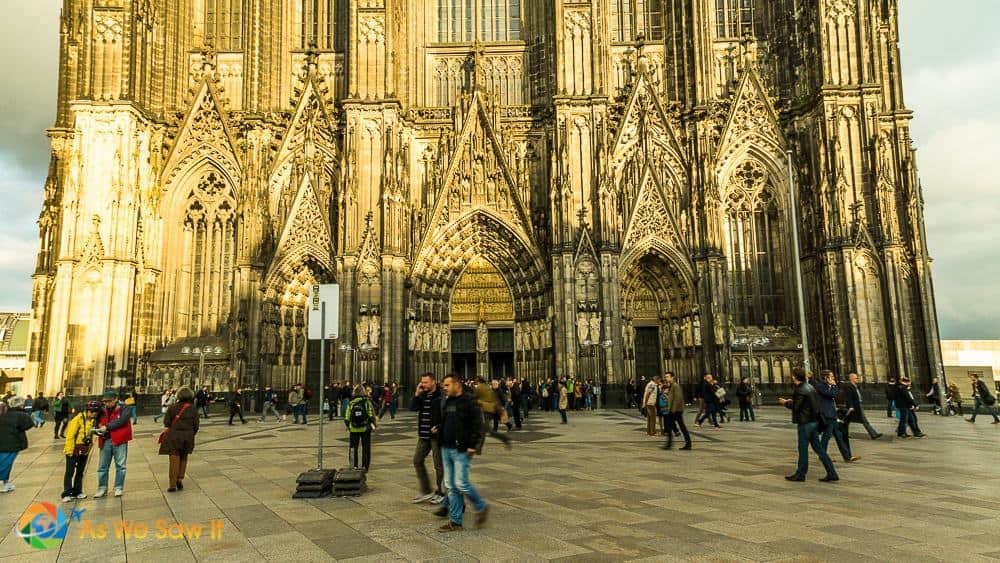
(855, 412)
(827, 391)
(907, 407)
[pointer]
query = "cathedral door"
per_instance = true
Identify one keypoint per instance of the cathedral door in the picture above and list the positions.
(482, 321)
(647, 351)
(463, 352)
(501, 353)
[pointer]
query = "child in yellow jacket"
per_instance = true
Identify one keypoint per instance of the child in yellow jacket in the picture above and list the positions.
(77, 448)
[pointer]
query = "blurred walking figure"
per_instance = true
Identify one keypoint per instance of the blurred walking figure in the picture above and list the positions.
(181, 423)
(77, 449)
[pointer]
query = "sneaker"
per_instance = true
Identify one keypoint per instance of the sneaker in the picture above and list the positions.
(119, 491)
(481, 517)
(422, 498)
(853, 459)
(436, 499)
(450, 527)
(101, 493)
(67, 499)
(81, 496)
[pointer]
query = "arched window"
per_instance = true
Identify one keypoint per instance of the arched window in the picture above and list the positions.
(315, 22)
(461, 21)
(754, 249)
(630, 18)
(205, 283)
(733, 18)
(224, 24)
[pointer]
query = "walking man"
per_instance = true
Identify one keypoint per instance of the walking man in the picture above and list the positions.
(460, 435)
(709, 399)
(649, 403)
(856, 412)
(236, 406)
(907, 407)
(827, 390)
(890, 396)
(804, 405)
(201, 400)
(427, 402)
(675, 406)
(269, 405)
(981, 396)
(114, 424)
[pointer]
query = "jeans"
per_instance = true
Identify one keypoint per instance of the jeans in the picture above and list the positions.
(6, 464)
(809, 436)
(344, 403)
(364, 439)
(908, 417)
(120, 454)
(990, 409)
(36, 416)
(711, 410)
(269, 406)
(428, 446)
(678, 419)
(297, 411)
(73, 477)
(204, 410)
(833, 430)
(746, 413)
(456, 475)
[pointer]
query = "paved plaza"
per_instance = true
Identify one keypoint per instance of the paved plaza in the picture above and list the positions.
(595, 490)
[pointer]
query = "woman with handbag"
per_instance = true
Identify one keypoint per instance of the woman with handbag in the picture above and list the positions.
(79, 435)
(177, 440)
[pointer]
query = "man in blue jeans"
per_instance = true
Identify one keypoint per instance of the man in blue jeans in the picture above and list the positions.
(460, 435)
(804, 405)
(114, 424)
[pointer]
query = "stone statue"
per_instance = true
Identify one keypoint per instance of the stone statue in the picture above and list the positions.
(547, 333)
(362, 329)
(595, 328)
(425, 336)
(696, 328)
(412, 337)
(482, 338)
(582, 328)
(374, 330)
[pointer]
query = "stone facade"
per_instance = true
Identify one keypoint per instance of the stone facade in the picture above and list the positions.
(590, 187)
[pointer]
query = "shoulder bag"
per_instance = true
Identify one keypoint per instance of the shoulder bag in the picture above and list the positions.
(163, 434)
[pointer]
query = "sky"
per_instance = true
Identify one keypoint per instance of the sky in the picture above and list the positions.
(951, 80)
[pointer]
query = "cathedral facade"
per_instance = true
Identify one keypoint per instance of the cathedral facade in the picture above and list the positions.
(599, 188)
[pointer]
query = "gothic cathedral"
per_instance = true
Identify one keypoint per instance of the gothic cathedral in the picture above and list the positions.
(598, 188)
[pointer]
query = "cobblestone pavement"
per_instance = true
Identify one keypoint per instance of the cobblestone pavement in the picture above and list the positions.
(596, 489)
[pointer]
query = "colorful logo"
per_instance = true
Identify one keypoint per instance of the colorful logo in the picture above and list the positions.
(43, 525)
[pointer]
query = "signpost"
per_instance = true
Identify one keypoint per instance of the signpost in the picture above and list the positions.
(324, 323)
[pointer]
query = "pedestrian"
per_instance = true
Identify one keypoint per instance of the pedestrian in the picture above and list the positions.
(855, 411)
(14, 424)
(890, 396)
(236, 406)
(39, 408)
(345, 397)
(77, 450)
(489, 406)
(177, 440)
(270, 404)
(114, 434)
(515, 403)
(675, 409)
(804, 405)
(630, 394)
(563, 401)
(663, 407)
(934, 396)
(708, 391)
(361, 421)
(166, 399)
(827, 392)
(981, 396)
(295, 404)
(955, 399)
(649, 404)
(907, 407)
(427, 401)
(744, 393)
(460, 436)
(202, 400)
(131, 406)
(329, 402)
(387, 398)
(62, 409)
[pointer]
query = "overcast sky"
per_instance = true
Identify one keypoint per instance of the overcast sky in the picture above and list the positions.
(951, 65)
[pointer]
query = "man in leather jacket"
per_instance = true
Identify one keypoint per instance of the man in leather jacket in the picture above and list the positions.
(804, 405)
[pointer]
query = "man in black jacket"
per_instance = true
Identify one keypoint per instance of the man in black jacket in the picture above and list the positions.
(804, 405)
(856, 412)
(827, 392)
(982, 397)
(427, 401)
(460, 433)
(890, 396)
(907, 407)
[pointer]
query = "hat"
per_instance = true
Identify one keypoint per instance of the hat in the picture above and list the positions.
(109, 395)
(15, 402)
(93, 405)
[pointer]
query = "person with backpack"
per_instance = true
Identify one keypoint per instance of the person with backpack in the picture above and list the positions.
(361, 421)
(270, 403)
(38, 410)
(77, 449)
(62, 409)
(981, 396)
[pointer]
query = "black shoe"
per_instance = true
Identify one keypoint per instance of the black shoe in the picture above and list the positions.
(794, 478)
(686, 447)
(666, 447)
(172, 490)
(902, 435)
(921, 435)
(828, 479)
(180, 485)
(876, 437)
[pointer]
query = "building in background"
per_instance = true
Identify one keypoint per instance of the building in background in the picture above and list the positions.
(962, 357)
(596, 188)
(13, 349)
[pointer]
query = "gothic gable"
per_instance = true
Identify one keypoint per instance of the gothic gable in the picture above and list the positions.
(203, 136)
(752, 125)
(651, 217)
(311, 128)
(477, 176)
(306, 232)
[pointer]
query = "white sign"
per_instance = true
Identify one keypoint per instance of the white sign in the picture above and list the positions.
(318, 295)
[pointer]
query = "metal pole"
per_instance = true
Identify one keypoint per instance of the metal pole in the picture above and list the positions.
(753, 378)
(797, 260)
(201, 368)
(322, 379)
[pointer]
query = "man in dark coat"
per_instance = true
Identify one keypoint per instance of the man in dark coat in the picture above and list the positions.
(804, 405)
(460, 436)
(14, 423)
(890, 396)
(827, 391)
(855, 411)
(907, 407)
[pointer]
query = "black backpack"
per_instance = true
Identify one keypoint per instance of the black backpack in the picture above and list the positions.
(359, 413)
